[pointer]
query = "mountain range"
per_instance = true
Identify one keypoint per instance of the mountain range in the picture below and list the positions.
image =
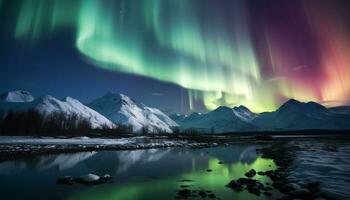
(107, 111)
(115, 109)
(292, 115)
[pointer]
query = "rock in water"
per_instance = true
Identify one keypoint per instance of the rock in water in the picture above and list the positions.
(202, 194)
(106, 177)
(235, 185)
(251, 173)
(89, 179)
(68, 180)
(289, 187)
(184, 193)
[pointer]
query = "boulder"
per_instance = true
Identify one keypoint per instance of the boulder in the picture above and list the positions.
(202, 194)
(184, 193)
(68, 180)
(89, 179)
(254, 190)
(300, 193)
(251, 173)
(289, 187)
(106, 177)
(235, 185)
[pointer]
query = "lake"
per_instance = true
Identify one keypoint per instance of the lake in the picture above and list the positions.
(160, 173)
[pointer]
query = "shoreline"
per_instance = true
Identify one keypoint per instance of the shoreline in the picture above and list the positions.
(13, 146)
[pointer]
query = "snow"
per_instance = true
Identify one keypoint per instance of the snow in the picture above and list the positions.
(89, 178)
(48, 105)
(292, 115)
(122, 110)
(69, 106)
(66, 141)
(223, 119)
(295, 115)
(17, 96)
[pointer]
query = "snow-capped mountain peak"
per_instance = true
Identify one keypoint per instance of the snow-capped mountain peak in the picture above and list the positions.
(244, 113)
(122, 110)
(222, 119)
(48, 104)
(18, 96)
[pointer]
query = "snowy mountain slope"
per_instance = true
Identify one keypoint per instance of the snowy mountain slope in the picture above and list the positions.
(295, 115)
(177, 117)
(18, 96)
(48, 105)
(340, 109)
(292, 115)
(120, 109)
(223, 119)
(69, 106)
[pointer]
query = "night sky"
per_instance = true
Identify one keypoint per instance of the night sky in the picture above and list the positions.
(179, 55)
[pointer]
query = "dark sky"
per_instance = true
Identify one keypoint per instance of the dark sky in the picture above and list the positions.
(180, 56)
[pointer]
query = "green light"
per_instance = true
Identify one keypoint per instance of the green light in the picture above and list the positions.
(166, 187)
(164, 40)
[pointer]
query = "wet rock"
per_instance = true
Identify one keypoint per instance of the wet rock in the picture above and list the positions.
(251, 173)
(184, 186)
(269, 173)
(300, 193)
(202, 194)
(267, 188)
(267, 194)
(184, 193)
(235, 185)
(313, 186)
(254, 190)
(89, 179)
(67, 180)
(261, 173)
(289, 187)
(106, 177)
(277, 184)
(247, 181)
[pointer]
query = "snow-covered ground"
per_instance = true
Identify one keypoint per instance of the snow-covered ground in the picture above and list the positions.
(66, 141)
(13, 145)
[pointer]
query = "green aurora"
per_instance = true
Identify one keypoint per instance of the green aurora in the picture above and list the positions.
(159, 39)
(208, 47)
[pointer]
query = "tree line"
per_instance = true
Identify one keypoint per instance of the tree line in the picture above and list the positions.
(31, 122)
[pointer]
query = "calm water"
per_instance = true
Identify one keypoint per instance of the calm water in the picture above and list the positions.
(139, 174)
(155, 173)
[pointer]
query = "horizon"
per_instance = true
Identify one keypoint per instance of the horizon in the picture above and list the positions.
(169, 114)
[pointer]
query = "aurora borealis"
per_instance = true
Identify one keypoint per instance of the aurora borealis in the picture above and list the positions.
(256, 53)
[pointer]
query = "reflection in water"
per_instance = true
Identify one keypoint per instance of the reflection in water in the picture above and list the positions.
(130, 158)
(60, 162)
(165, 187)
(132, 172)
(135, 172)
